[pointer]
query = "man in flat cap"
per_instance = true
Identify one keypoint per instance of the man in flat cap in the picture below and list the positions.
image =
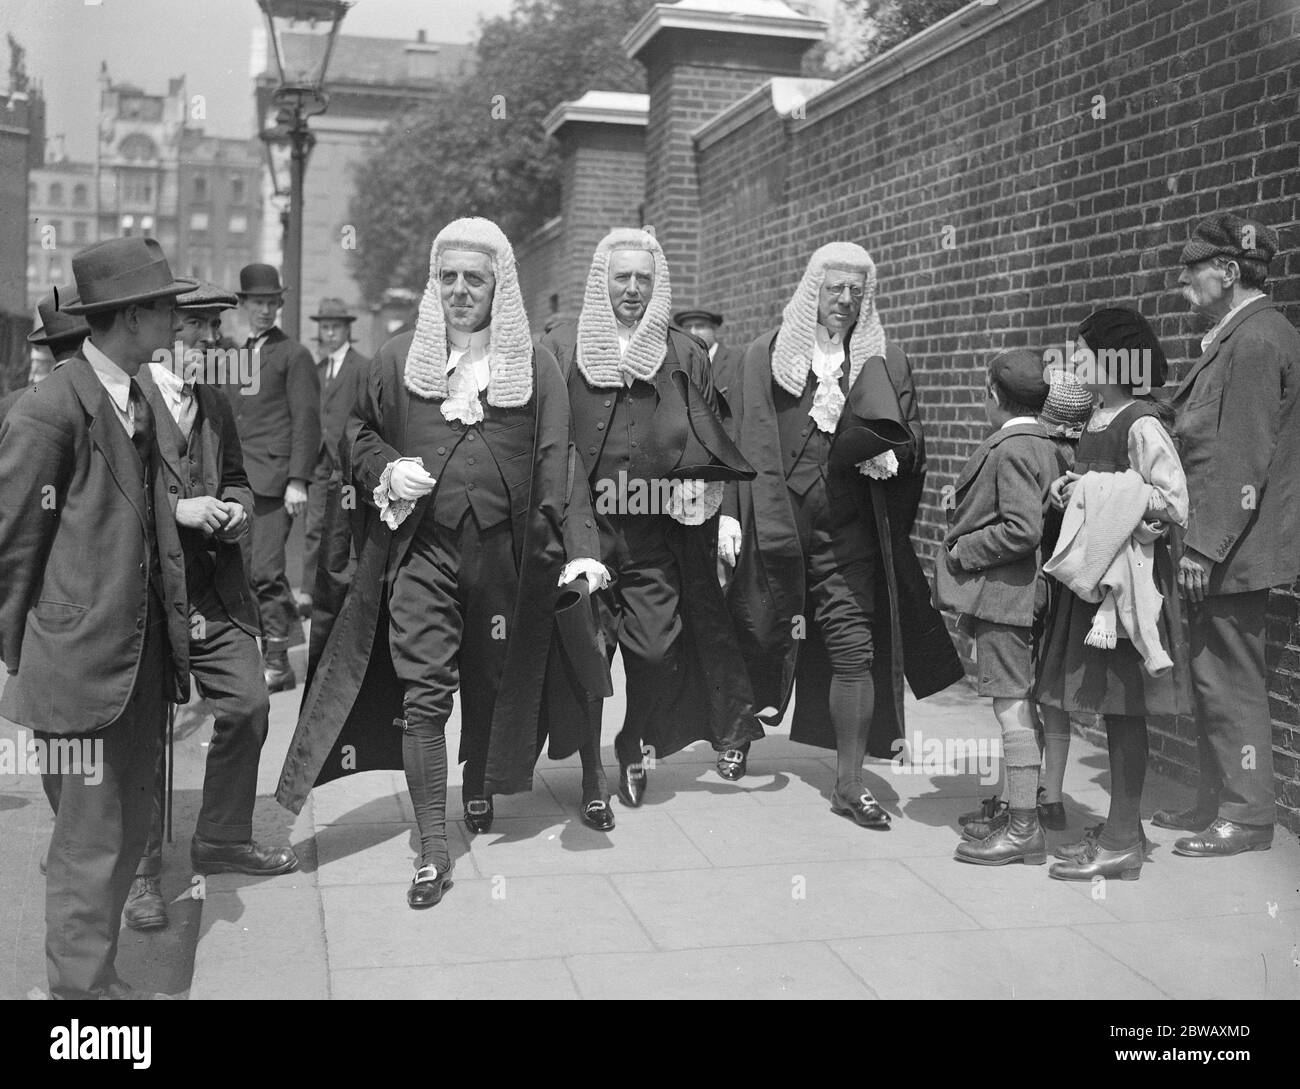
(57, 338)
(827, 587)
(1239, 435)
(278, 417)
(93, 617)
(725, 360)
(645, 418)
(342, 372)
(473, 531)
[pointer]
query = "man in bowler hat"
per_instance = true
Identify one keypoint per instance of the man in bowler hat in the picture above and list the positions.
(342, 372)
(278, 418)
(93, 624)
(1239, 435)
(59, 335)
(704, 325)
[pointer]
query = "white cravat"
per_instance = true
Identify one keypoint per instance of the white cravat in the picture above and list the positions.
(624, 342)
(465, 383)
(828, 366)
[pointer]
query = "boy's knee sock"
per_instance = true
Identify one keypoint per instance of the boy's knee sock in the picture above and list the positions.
(1020, 753)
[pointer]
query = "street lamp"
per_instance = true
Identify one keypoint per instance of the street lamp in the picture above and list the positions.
(302, 35)
(278, 169)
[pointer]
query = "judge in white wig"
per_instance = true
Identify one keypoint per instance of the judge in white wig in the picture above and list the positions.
(825, 409)
(645, 418)
(474, 539)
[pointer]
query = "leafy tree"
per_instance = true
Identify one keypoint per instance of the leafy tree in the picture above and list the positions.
(479, 148)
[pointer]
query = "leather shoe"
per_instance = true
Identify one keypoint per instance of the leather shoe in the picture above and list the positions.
(981, 829)
(598, 814)
(1051, 814)
(733, 763)
(1097, 861)
(279, 680)
(428, 886)
(145, 908)
(989, 808)
(250, 858)
(1225, 837)
(478, 815)
(1020, 839)
(864, 810)
(1184, 820)
(1073, 852)
(303, 601)
(632, 783)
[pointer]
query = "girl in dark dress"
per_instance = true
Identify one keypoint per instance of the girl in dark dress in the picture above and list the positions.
(1125, 432)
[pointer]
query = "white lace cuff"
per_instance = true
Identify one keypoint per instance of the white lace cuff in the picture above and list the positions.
(694, 502)
(576, 568)
(881, 467)
(392, 510)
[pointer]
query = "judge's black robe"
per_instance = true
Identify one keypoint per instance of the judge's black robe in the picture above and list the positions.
(352, 694)
(767, 590)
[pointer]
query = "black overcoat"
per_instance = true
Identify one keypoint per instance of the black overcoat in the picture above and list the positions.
(767, 590)
(352, 694)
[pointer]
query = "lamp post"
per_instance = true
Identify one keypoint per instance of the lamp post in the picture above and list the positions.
(302, 35)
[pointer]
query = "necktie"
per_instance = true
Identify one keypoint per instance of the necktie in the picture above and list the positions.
(142, 425)
(188, 410)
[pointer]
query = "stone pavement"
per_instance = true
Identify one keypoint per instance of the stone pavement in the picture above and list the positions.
(712, 889)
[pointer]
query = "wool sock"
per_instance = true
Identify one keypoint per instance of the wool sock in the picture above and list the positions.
(1126, 740)
(1020, 751)
(1056, 751)
(853, 702)
(424, 758)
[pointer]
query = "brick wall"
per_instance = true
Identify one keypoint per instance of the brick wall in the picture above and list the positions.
(537, 258)
(1000, 211)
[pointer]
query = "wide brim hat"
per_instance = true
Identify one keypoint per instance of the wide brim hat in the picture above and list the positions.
(333, 310)
(260, 279)
(207, 296)
(685, 317)
(122, 272)
(57, 325)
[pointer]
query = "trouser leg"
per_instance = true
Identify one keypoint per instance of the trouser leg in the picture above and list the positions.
(312, 528)
(275, 602)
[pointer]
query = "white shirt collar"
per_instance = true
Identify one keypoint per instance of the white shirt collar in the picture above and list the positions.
(827, 354)
(169, 382)
(112, 377)
(713, 350)
(476, 347)
(336, 356)
(1016, 421)
(1209, 337)
(625, 334)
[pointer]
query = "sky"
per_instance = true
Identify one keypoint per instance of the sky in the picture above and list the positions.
(147, 42)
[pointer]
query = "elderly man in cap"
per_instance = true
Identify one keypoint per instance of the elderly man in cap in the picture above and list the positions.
(645, 418)
(704, 325)
(1239, 436)
(471, 519)
(93, 615)
(209, 497)
(342, 373)
(827, 588)
(57, 338)
(278, 418)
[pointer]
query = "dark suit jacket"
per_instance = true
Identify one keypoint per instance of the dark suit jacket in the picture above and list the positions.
(222, 476)
(337, 400)
(990, 564)
(1239, 440)
(279, 425)
(74, 581)
(726, 363)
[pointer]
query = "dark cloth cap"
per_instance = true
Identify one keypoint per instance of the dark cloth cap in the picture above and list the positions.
(207, 296)
(1120, 329)
(259, 279)
(684, 317)
(121, 272)
(332, 309)
(57, 326)
(1226, 235)
(1018, 372)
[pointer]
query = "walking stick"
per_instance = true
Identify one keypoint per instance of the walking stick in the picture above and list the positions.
(171, 763)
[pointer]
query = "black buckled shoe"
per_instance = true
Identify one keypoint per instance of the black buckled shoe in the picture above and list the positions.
(250, 858)
(632, 780)
(145, 908)
(428, 886)
(1190, 819)
(598, 814)
(1224, 838)
(863, 810)
(733, 763)
(478, 815)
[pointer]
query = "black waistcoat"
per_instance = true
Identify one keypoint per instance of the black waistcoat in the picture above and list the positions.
(200, 551)
(805, 448)
(642, 432)
(1106, 451)
(477, 467)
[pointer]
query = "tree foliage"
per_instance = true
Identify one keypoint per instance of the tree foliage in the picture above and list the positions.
(478, 147)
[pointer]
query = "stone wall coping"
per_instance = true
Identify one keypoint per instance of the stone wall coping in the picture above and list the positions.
(764, 18)
(600, 107)
(784, 94)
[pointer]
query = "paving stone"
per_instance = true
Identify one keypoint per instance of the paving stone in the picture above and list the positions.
(378, 854)
(498, 980)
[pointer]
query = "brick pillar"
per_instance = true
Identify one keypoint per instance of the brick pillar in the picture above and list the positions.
(602, 137)
(700, 60)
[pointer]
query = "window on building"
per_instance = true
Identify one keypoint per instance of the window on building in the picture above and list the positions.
(137, 147)
(80, 195)
(200, 188)
(238, 223)
(237, 190)
(80, 233)
(57, 224)
(198, 221)
(137, 188)
(56, 192)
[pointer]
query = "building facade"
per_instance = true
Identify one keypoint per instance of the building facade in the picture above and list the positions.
(22, 143)
(219, 222)
(63, 218)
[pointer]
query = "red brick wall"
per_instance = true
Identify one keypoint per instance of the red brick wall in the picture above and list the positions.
(1052, 212)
